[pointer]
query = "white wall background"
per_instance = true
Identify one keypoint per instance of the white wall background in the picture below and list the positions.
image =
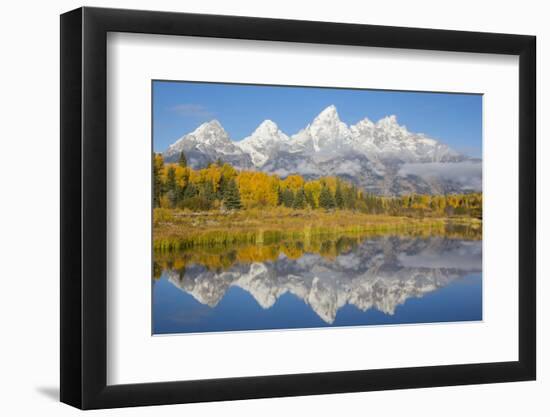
(29, 219)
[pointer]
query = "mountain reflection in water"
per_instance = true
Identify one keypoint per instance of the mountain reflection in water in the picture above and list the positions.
(376, 275)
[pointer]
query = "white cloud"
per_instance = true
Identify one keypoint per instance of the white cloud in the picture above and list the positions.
(465, 173)
(306, 168)
(348, 168)
(281, 172)
(192, 110)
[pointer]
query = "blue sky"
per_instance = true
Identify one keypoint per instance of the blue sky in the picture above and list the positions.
(180, 107)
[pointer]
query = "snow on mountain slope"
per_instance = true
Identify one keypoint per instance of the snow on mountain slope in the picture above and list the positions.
(327, 133)
(388, 140)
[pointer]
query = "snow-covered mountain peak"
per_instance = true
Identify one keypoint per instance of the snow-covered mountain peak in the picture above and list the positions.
(366, 123)
(267, 127)
(328, 115)
(362, 131)
(388, 120)
(264, 142)
(205, 144)
(390, 123)
(212, 130)
(326, 132)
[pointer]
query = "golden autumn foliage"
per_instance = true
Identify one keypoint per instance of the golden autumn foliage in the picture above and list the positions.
(258, 189)
(292, 182)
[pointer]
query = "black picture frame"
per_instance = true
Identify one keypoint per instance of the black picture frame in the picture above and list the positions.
(84, 207)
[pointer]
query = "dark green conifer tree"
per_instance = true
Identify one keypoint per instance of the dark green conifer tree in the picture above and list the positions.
(232, 197)
(326, 200)
(171, 186)
(339, 197)
(300, 199)
(207, 191)
(288, 197)
(157, 183)
(280, 201)
(190, 191)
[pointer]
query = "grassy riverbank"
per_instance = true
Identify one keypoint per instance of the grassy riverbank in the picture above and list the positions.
(180, 229)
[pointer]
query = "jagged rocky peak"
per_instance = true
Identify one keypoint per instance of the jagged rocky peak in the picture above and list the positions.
(329, 114)
(326, 133)
(263, 143)
(266, 127)
(390, 120)
(266, 132)
(391, 125)
(329, 122)
(363, 125)
(206, 144)
(212, 130)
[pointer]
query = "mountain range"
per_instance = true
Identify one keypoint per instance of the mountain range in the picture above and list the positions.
(383, 157)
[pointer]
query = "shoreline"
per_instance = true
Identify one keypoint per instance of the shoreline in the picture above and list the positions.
(178, 229)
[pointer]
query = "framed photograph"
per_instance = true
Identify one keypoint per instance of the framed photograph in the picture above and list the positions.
(257, 208)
